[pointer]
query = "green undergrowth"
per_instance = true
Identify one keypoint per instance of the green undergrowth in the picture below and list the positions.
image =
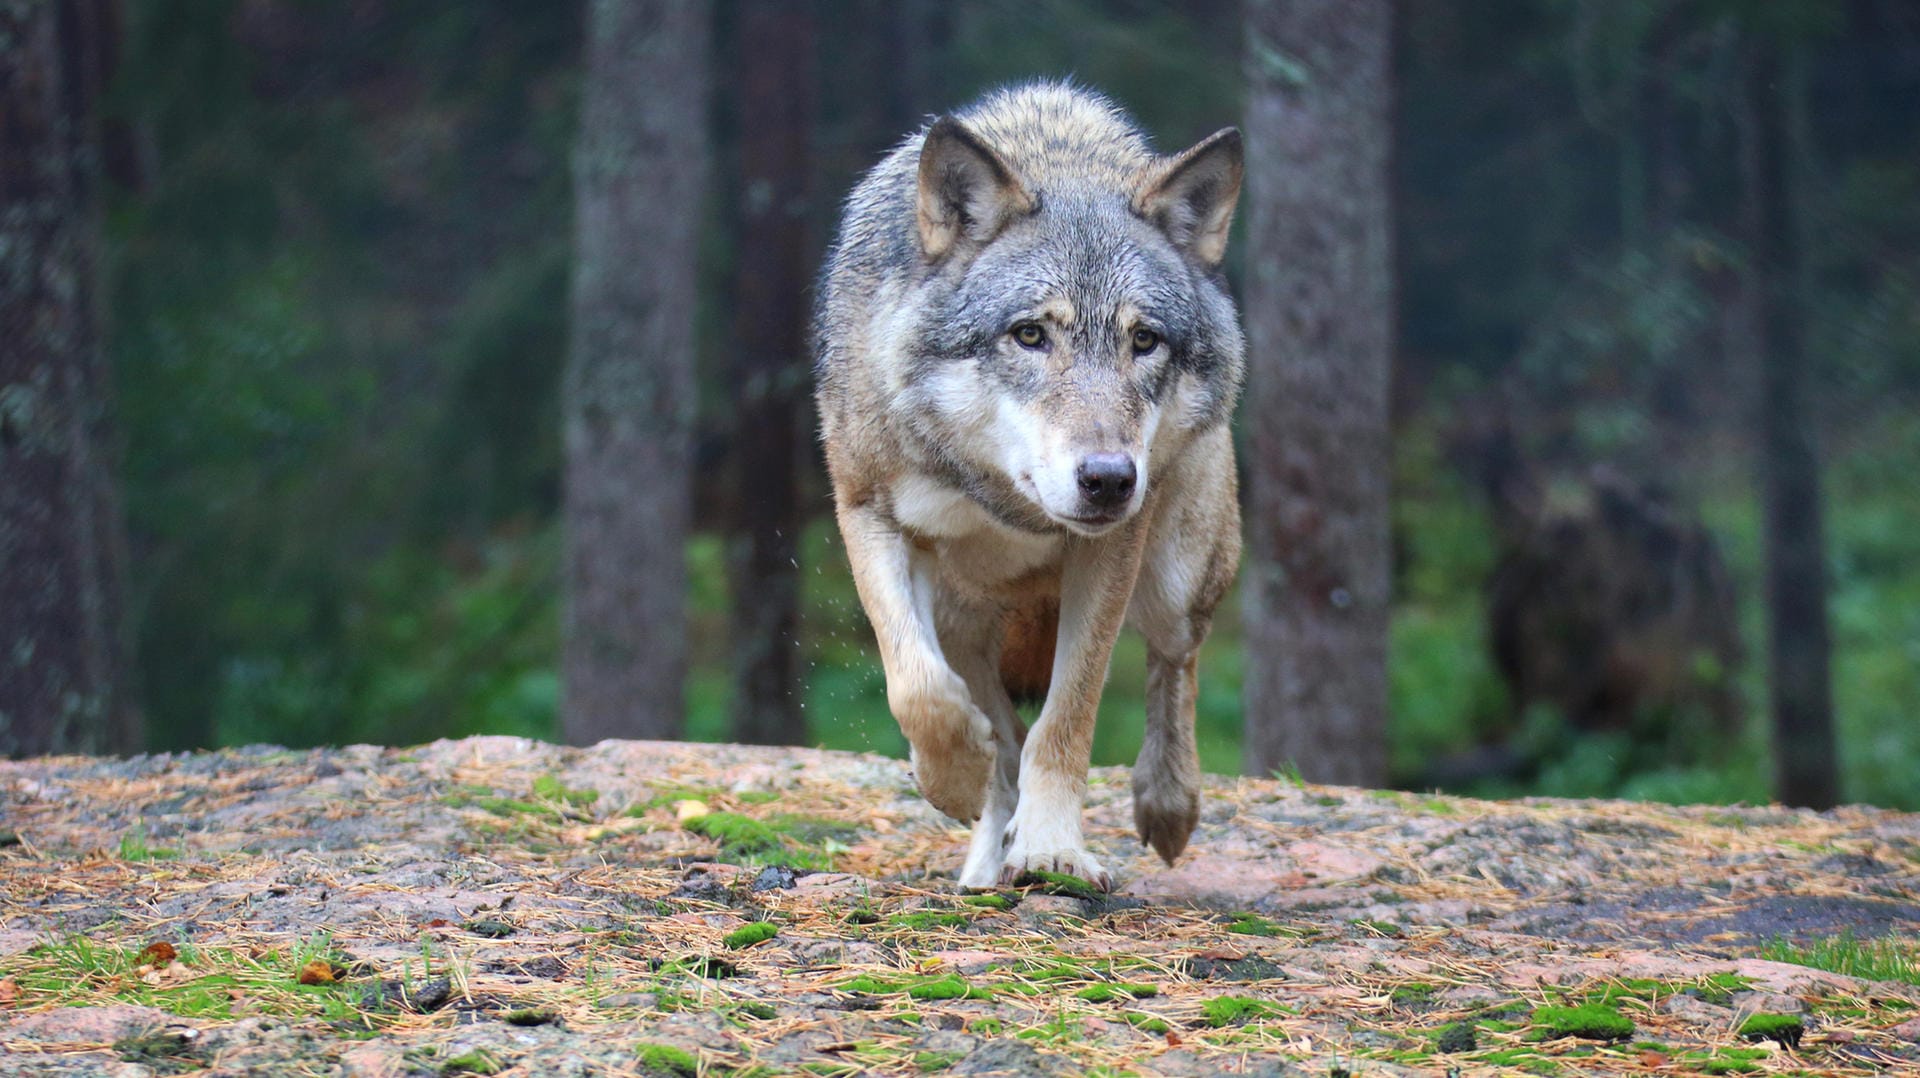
(1887, 959)
(198, 982)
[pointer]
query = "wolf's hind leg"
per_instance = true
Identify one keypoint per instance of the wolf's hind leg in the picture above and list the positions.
(1166, 775)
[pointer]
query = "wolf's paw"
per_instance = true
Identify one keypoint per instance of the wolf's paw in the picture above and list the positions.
(1074, 861)
(980, 873)
(1165, 816)
(951, 747)
(1042, 842)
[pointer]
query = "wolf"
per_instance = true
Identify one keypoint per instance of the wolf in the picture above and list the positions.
(1026, 360)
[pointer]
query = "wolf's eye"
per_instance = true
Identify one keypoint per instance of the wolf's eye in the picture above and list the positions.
(1144, 341)
(1029, 334)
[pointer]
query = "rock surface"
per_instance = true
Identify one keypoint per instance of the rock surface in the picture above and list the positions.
(495, 905)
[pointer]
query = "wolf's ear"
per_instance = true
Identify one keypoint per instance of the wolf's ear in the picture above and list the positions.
(966, 190)
(1191, 197)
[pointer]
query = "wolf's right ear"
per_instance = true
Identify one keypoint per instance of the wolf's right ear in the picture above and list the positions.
(966, 190)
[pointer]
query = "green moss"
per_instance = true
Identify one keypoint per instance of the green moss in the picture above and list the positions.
(1146, 1022)
(759, 1012)
(923, 920)
(1232, 1010)
(987, 1027)
(867, 984)
(1592, 1021)
(1416, 992)
(948, 987)
(477, 1061)
(550, 788)
(666, 1059)
(1785, 1028)
(1059, 883)
(159, 1051)
(937, 1061)
(738, 835)
(531, 1016)
(992, 902)
(1458, 1037)
(1107, 993)
(1252, 924)
(749, 934)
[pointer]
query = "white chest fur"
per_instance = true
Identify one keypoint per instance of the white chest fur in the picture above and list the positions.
(968, 542)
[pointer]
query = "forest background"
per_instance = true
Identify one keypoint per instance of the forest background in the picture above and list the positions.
(339, 242)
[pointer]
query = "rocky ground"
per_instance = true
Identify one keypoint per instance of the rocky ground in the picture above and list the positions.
(500, 906)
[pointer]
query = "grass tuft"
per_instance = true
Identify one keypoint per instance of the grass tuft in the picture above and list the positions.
(1873, 960)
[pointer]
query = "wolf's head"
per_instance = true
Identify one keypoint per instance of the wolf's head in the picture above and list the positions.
(1072, 330)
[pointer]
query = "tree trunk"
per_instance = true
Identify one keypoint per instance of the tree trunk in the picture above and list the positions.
(65, 663)
(1320, 325)
(772, 435)
(1805, 771)
(628, 395)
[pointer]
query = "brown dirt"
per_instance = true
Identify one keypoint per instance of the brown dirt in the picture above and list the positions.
(467, 907)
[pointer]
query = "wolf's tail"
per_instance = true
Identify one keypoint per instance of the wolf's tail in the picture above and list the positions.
(1026, 654)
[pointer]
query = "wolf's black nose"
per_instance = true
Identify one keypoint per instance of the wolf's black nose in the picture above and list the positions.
(1106, 479)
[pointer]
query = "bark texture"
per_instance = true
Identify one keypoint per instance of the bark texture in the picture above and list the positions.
(1794, 546)
(1320, 324)
(628, 396)
(772, 435)
(65, 663)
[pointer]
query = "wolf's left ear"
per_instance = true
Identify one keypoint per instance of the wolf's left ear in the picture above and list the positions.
(1191, 196)
(966, 191)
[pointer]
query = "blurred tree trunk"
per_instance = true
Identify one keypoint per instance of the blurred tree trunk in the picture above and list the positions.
(1320, 324)
(773, 429)
(628, 397)
(65, 663)
(1805, 770)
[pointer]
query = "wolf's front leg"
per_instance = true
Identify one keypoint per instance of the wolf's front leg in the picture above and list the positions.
(1045, 834)
(950, 739)
(972, 639)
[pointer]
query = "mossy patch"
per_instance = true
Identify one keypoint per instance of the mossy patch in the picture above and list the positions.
(992, 902)
(1234, 1010)
(1252, 924)
(924, 920)
(1785, 1028)
(1592, 1021)
(1147, 1023)
(477, 1061)
(550, 788)
(1060, 883)
(666, 1059)
(749, 934)
(1456, 1038)
(1107, 993)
